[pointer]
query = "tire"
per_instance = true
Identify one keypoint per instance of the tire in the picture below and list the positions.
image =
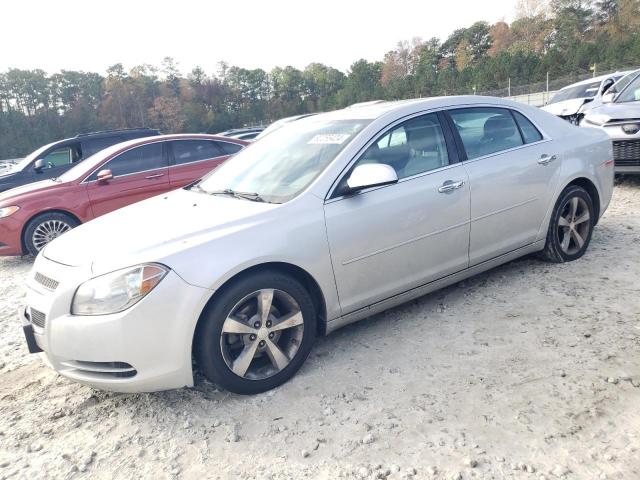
(45, 227)
(222, 345)
(572, 221)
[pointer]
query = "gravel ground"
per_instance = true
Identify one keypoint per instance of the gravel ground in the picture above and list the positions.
(529, 371)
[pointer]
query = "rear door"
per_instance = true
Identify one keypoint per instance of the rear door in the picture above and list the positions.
(191, 159)
(512, 170)
(139, 173)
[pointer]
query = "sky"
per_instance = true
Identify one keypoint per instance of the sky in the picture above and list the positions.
(90, 35)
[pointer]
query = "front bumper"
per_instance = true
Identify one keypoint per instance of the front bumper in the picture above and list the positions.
(10, 236)
(145, 348)
(626, 147)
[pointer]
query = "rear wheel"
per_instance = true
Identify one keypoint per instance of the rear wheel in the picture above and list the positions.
(46, 227)
(257, 333)
(571, 226)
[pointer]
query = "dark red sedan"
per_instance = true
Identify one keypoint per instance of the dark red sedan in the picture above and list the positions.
(33, 215)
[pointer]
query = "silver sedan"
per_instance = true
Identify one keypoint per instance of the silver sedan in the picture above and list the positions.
(326, 221)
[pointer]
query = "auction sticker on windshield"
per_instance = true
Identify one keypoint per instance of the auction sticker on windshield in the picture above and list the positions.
(329, 138)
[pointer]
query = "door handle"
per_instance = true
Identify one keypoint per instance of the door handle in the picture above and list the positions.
(157, 175)
(547, 159)
(450, 186)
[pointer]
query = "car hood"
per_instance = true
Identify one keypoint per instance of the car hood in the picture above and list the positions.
(26, 189)
(616, 111)
(565, 108)
(154, 229)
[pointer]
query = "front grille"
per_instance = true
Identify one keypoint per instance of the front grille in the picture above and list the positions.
(46, 282)
(38, 318)
(626, 153)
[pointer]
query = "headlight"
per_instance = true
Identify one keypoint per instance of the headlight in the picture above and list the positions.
(6, 211)
(116, 291)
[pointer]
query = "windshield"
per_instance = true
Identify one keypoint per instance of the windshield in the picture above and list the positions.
(586, 90)
(623, 82)
(631, 93)
(280, 166)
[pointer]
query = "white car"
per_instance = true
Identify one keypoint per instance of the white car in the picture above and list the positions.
(619, 116)
(325, 221)
(573, 101)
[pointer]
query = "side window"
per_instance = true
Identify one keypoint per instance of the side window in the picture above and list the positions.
(486, 130)
(138, 159)
(187, 151)
(229, 148)
(529, 131)
(89, 147)
(57, 158)
(62, 156)
(413, 147)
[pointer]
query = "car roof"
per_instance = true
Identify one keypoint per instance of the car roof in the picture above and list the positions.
(376, 109)
(241, 130)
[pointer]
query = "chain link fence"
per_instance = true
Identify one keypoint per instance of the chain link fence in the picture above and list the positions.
(539, 94)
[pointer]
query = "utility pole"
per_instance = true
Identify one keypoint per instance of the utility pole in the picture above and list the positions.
(547, 99)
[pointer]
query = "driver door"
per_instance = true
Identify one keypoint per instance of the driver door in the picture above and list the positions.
(390, 239)
(138, 174)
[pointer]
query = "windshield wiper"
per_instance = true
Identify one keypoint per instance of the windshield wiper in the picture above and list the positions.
(254, 197)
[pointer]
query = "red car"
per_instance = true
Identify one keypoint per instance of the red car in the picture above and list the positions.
(33, 215)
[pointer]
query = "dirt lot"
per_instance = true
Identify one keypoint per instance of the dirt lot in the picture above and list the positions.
(531, 370)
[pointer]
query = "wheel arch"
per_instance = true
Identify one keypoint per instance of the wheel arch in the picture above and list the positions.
(300, 274)
(53, 210)
(591, 189)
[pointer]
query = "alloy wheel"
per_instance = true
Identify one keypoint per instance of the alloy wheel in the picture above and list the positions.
(574, 225)
(262, 334)
(48, 231)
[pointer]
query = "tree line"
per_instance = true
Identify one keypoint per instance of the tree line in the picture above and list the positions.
(558, 37)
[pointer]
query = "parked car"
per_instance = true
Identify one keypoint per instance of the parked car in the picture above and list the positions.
(54, 159)
(325, 221)
(620, 118)
(248, 133)
(33, 215)
(7, 164)
(281, 123)
(573, 101)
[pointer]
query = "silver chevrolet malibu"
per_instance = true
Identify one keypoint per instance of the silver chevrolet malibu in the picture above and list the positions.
(326, 221)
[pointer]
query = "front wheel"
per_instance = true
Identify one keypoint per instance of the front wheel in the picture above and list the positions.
(46, 227)
(571, 226)
(257, 333)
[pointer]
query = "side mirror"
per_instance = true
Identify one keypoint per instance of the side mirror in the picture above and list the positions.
(39, 165)
(371, 175)
(104, 176)
(608, 97)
